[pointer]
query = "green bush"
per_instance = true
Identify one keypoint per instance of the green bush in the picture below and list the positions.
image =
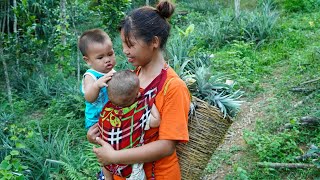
(13, 138)
(299, 5)
(11, 167)
(280, 147)
(111, 12)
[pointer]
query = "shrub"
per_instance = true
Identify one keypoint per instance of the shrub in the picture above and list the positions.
(281, 147)
(13, 139)
(299, 5)
(111, 12)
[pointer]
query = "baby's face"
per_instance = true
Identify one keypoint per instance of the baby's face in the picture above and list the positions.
(100, 56)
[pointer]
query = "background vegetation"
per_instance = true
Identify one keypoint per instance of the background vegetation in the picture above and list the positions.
(272, 47)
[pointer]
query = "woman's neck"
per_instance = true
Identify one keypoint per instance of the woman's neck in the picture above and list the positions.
(154, 67)
(151, 70)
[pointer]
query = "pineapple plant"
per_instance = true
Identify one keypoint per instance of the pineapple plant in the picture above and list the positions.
(213, 89)
(217, 90)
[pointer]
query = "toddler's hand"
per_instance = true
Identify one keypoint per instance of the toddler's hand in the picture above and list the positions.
(102, 82)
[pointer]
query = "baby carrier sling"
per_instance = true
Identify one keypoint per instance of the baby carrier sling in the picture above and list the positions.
(123, 128)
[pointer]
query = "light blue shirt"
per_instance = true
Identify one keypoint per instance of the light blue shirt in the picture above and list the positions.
(92, 111)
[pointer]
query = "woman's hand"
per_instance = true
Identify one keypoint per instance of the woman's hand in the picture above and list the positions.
(92, 133)
(106, 153)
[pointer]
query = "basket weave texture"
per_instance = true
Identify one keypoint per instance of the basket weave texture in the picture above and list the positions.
(207, 129)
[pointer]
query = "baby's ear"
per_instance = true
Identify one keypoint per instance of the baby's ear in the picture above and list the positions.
(86, 59)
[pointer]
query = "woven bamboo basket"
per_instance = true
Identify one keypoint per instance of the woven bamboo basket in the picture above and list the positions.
(207, 129)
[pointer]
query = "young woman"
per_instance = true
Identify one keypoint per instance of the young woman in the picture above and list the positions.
(144, 33)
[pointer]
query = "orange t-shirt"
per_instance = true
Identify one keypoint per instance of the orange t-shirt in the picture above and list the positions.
(173, 102)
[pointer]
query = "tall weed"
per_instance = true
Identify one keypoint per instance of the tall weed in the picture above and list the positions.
(43, 146)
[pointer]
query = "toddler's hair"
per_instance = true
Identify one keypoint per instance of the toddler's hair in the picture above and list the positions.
(123, 87)
(91, 36)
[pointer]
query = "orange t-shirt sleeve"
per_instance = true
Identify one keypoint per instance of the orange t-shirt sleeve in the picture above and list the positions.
(174, 114)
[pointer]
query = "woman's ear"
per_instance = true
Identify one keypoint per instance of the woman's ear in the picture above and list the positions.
(156, 42)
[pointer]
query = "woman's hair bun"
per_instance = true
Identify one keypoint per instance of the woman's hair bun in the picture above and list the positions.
(165, 8)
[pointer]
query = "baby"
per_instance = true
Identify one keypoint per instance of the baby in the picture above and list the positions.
(125, 118)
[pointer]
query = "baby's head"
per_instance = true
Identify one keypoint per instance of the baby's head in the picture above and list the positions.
(123, 88)
(96, 48)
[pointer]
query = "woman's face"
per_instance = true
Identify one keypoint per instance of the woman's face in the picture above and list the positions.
(140, 53)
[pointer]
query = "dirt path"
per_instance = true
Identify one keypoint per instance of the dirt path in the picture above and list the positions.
(250, 112)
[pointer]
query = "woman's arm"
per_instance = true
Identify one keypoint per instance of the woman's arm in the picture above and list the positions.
(147, 153)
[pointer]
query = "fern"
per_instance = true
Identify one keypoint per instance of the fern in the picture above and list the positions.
(71, 172)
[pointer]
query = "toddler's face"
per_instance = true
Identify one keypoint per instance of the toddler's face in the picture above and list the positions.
(100, 56)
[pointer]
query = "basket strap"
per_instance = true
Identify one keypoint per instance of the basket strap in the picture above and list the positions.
(166, 86)
(154, 162)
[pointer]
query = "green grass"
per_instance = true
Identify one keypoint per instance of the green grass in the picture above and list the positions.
(290, 59)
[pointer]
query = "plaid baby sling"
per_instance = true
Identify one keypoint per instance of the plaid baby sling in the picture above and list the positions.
(123, 128)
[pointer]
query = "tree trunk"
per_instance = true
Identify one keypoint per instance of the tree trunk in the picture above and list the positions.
(78, 67)
(5, 70)
(15, 31)
(63, 21)
(63, 28)
(3, 9)
(237, 8)
(15, 21)
(8, 17)
(285, 165)
(3, 23)
(76, 32)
